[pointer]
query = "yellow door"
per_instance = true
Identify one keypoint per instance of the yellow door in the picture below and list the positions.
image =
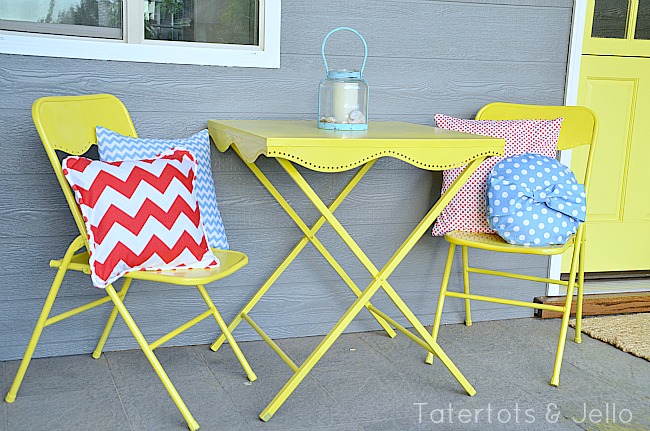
(615, 83)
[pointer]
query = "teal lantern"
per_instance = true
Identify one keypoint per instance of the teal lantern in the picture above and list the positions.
(343, 94)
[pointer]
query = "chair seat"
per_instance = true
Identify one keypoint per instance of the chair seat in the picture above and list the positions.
(229, 262)
(487, 241)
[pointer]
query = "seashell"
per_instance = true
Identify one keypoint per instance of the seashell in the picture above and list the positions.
(327, 120)
(356, 117)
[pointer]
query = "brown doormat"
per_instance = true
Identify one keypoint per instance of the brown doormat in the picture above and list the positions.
(628, 332)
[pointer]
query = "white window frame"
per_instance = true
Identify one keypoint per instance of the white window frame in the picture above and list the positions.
(134, 47)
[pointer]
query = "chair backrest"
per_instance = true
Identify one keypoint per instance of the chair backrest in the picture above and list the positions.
(579, 127)
(67, 124)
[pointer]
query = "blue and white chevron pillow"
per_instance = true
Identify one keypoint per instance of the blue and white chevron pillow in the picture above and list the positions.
(114, 147)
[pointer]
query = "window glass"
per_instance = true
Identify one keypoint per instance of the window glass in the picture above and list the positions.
(98, 18)
(212, 21)
(239, 33)
(643, 20)
(610, 19)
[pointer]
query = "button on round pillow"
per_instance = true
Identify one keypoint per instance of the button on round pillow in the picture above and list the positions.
(534, 200)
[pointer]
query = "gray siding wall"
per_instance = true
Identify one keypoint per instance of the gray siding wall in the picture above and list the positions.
(425, 57)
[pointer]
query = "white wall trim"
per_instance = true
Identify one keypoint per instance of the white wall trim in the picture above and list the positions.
(570, 99)
(575, 52)
(267, 55)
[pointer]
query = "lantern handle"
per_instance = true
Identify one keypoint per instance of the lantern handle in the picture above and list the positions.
(365, 48)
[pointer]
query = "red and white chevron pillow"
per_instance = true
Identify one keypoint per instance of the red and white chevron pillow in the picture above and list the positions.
(140, 215)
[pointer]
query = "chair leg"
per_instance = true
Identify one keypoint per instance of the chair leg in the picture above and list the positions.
(224, 328)
(111, 320)
(468, 312)
(42, 319)
(142, 342)
(555, 379)
(441, 299)
(581, 284)
(36, 335)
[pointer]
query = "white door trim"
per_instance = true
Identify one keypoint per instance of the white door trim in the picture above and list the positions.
(570, 98)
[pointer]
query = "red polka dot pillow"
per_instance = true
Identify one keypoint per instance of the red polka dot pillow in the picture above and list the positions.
(139, 215)
(467, 211)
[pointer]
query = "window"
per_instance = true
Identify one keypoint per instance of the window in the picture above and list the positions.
(610, 19)
(212, 32)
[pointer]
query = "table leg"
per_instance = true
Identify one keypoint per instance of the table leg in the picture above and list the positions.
(403, 250)
(379, 281)
(409, 243)
(320, 350)
(329, 216)
(309, 236)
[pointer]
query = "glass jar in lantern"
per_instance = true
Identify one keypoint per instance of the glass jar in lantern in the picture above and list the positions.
(343, 94)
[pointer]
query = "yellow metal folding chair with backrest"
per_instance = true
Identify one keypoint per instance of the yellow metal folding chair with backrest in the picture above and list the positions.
(67, 125)
(580, 127)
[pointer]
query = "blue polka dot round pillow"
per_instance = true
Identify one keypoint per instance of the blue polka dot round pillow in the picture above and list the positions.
(534, 200)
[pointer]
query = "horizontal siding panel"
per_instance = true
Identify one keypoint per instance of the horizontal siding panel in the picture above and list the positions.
(426, 259)
(431, 29)
(244, 202)
(52, 344)
(148, 125)
(396, 85)
(157, 312)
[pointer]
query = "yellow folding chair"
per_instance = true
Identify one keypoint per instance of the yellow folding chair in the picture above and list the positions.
(580, 127)
(67, 125)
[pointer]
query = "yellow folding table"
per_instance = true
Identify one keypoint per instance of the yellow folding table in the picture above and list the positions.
(302, 143)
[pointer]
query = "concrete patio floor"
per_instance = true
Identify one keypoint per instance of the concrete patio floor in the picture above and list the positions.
(366, 381)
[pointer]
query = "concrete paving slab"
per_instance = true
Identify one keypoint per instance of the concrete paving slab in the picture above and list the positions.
(348, 352)
(131, 367)
(93, 408)
(4, 424)
(366, 381)
(309, 407)
(149, 407)
(60, 375)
